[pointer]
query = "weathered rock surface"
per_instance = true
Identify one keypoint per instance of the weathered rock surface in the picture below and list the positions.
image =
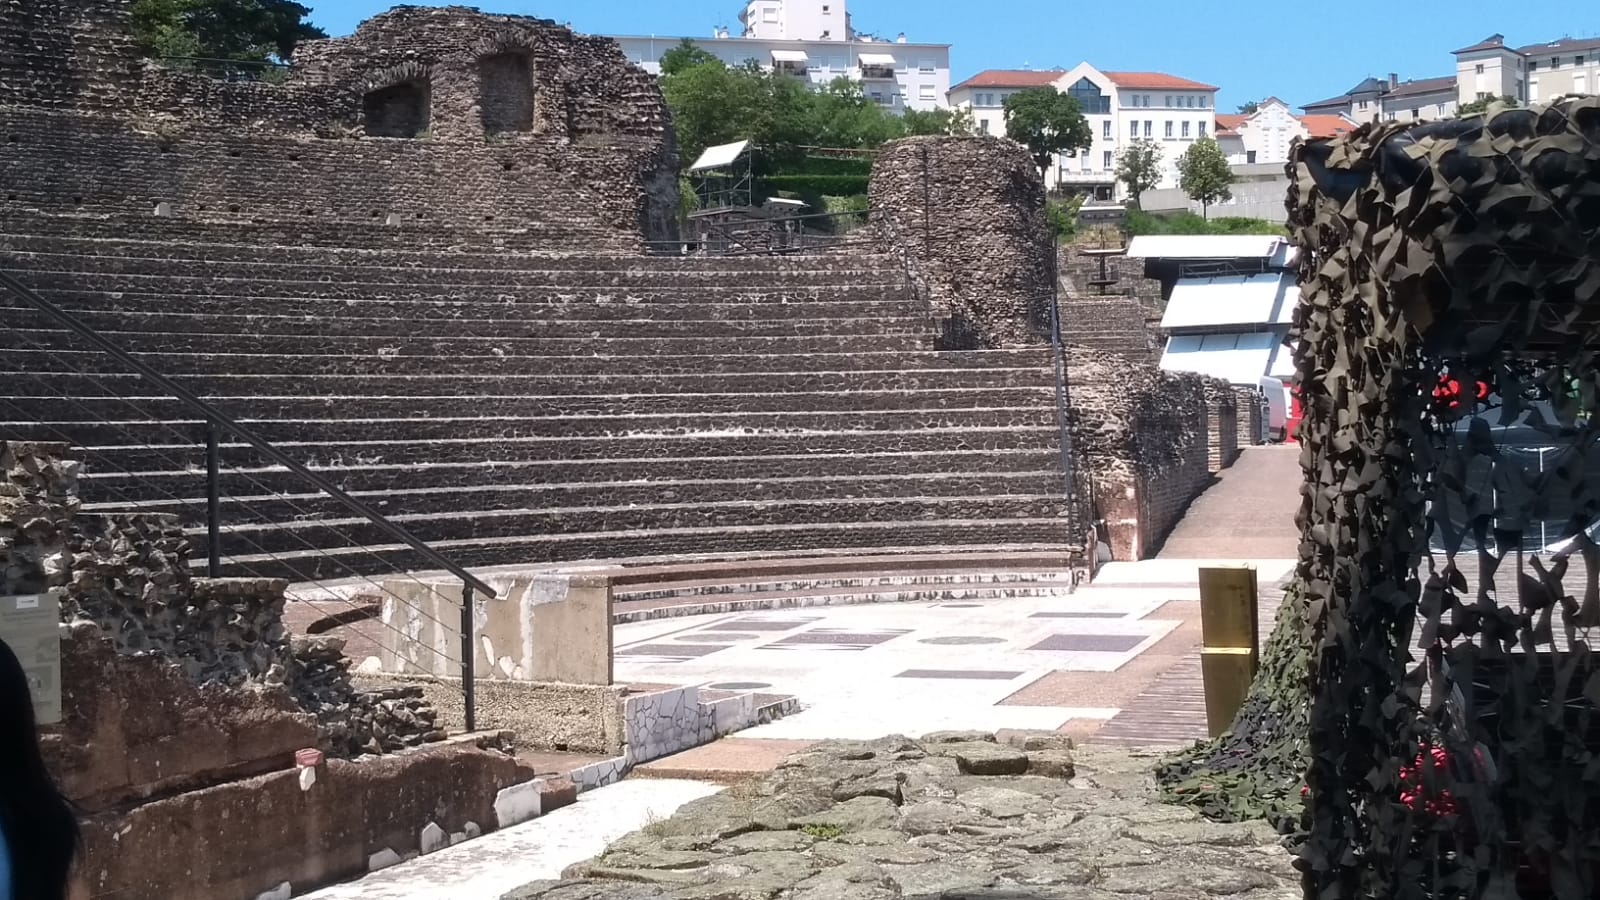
(896, 819)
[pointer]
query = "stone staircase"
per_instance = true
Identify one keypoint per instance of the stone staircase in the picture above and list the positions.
(526, 409)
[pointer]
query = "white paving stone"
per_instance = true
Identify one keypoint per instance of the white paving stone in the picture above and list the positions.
(486, 868)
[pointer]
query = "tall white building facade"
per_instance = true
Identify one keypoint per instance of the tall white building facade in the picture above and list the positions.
(1534, 73)
(1121, 107)
(814, 40)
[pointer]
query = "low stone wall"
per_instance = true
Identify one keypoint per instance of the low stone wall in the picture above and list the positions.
(1222, 419)
(582, 718)
(286, 832)
(661, 723)
(550, 628)
(1251, 415)
(967, 215)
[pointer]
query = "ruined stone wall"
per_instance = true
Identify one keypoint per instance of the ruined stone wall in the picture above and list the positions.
(1250, 416)
(58, 54)
(518, 123)
(1143, 436)
(1222, 419)
(1114, 325)
(967, 214)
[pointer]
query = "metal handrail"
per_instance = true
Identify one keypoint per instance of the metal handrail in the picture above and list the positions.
(219, 420)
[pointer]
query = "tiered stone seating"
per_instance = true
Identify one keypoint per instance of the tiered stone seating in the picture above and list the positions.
(527, 409)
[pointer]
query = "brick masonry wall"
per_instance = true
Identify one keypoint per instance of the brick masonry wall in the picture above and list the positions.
(596, 155)
(968, 216)
(1222, 419)
(1250, 415)
(1143, 437)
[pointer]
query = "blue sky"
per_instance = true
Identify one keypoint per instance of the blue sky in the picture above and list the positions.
(1299, 51)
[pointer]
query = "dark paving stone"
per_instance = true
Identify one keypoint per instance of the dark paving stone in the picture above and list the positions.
(852, 638)
(759, 625)
(961, 674)
(739, 686)
(723, 638)
(1078, 615)
(1091, 643)
(672, 651)
(960, 605)
(961, 640)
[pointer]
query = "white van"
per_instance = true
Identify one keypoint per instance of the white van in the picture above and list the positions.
(1275, 421)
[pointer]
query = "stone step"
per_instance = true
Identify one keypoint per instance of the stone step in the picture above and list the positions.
(439, 323)
(149, 245)
(756, 368)
(53, 267)
(798, 425)
(806, 596)
(248, 538)
(823, 446)
(444, 340)
(245, 502)
(111, 485)
(663, 545)
(42, 406)
(523, 305)
(73, 383)
(974, 580)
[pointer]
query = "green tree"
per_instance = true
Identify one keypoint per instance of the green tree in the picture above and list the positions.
(1204, 174)
(1249, 109)
(684, 56)
(254, 30)
(1480, 106)
(840, 115)
(1048, 122)
(954, 122)
(1139, 167)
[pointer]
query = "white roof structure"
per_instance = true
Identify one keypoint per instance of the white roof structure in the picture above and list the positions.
(1282, 366)
(1228, 300)
(719, 156)
(876, 59)
(1235, 358)
(790, 56)
(1204, 246)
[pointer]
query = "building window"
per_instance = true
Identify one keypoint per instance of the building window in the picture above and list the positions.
(1146, 99)
(770, 14)
(1577, 60)
(1105, 130)
(925, 92)
(1202, 129)
(1133, 129)
(1168, 104)
(1416, 113)
(926, 67)
(1532, 65)
(1149, 127)
(1108, 161)
(1250, 157)
(1479, 68)
(1090, 98)
(1168, 135)
(1185, 129)
(983, 126)
(1205, 101)
(1555, 62)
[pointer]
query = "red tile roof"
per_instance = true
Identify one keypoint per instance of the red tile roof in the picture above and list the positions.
(1156, 81)
(1227, 123)
(1010, 78)
(1325, 126)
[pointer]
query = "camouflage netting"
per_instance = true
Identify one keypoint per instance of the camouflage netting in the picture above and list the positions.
(1450, 579)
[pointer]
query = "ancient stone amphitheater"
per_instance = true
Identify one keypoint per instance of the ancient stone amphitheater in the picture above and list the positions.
(419, 265)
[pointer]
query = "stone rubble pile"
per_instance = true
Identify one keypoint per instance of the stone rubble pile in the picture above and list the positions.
(356, 722)
(1019, 816)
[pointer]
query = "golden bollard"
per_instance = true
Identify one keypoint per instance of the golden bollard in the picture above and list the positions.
(1229, 656)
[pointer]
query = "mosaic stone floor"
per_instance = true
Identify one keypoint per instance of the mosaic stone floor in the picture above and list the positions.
(861, 672)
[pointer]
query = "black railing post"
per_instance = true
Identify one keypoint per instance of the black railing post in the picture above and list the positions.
(213, 499)
(468, 659)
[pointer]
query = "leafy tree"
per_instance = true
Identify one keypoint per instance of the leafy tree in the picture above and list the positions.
(1139, 167)
(684, 56)
(1204, 174)
(1249, 109)
(1048, 122)
(956, 122)
(840, 115)
(1481, 106)
(255, 30)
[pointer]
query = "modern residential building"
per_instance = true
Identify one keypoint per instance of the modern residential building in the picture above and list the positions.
(1120, 106)
(814, 40)
(1264, 136)
(1392, 100)
(1532, 73)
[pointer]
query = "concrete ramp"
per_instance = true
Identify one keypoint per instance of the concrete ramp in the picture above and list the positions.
(1247, 514)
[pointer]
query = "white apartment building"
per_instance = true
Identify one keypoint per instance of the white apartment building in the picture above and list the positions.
(1264, 136)
(814, 40)
(1537, 72)
(1120, 106)
(1392, 100)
